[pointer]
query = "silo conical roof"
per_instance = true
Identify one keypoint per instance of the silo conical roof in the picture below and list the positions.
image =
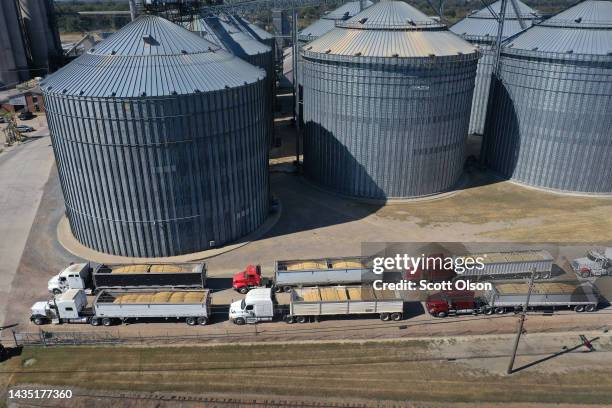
(327, 22)
(482, 25)
(585, 28)
(151, 56)
(221, 31)
(390, 29)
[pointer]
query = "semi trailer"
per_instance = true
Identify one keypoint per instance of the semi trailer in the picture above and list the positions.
(93, 278)
(508, 265)
(505, 297)
(307, 272)
(307, 304)
(596, 263)
(113, 306)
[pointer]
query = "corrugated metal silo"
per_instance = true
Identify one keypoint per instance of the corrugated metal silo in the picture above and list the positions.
(326, 23)
(13, 58)
(550, 123)
(160, 142)
(44, 41)
(481, 28)
(387, 98)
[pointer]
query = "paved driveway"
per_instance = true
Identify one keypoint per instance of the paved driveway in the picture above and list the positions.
(24, 170)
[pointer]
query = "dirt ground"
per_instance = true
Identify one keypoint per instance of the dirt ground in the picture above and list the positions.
(549, 369)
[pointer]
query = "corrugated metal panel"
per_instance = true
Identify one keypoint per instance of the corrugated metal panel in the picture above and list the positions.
(550, 126)
(379, 126)
(166, 173)
(481, 28)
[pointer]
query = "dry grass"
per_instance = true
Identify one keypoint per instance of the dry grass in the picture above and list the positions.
(370, 370)
(514, 213)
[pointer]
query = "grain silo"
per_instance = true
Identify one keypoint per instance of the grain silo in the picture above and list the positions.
(160, 142)
(550, 123)
(43, 37)
(326, 23)
(387, 98)
(13, 57)
(480, 28)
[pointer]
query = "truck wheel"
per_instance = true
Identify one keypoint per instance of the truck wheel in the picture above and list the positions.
(191, 321)
(546, 275)
(287, 289)
(500, 310)
(488, 311)
(57, 292)
(384, 317)
(202, 320)
(39, 321)
(277, 289)
(239, 321)
(244, 290)
(397, 316)
(94, 321)
(579, 308)
(590, 308)
(107, 321)
(301, 319)
(289, 319)
(441, 314)
(585, 274)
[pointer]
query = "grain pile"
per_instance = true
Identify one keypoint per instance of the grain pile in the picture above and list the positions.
(306, 265)
(187, 297)
(348, 265)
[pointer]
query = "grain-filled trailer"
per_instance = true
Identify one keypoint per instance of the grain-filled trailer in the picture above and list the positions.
(512, 296)
(508, 265)
(324, 271)
(175, 275)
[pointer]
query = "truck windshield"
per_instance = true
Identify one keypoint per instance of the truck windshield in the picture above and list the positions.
(242, 304)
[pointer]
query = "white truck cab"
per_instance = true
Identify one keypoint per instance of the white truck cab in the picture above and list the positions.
(66, 307)
(257, 306)
(75, 276)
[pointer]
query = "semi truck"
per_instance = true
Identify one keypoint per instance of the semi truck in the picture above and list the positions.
(508, 265)
(93, 278)
(435, 272)
(596, 263)
(113, 306)
(307, 304)
(505, 297)
(307, 272)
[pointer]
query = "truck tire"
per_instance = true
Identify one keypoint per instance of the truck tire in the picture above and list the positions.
(585, 274)
(244, 290)
(57, 292)
(202, 320)
(287, 289)
(277, 289)
(441, 314)
(488, 310)
(94, 321)
(289, 319)
(239, 321)
(384, 317)
(397, 316)
(38, 321)
(192, 321)
(500, 310)
(579, 308)
(301, 319)
(546, 275)
(107, 321)
(590, 308)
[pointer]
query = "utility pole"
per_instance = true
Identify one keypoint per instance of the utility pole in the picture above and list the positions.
(296, 87)
(521, 322)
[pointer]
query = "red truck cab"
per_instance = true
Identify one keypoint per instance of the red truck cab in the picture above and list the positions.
(434, 273)
(248, 279)
(453, 302)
